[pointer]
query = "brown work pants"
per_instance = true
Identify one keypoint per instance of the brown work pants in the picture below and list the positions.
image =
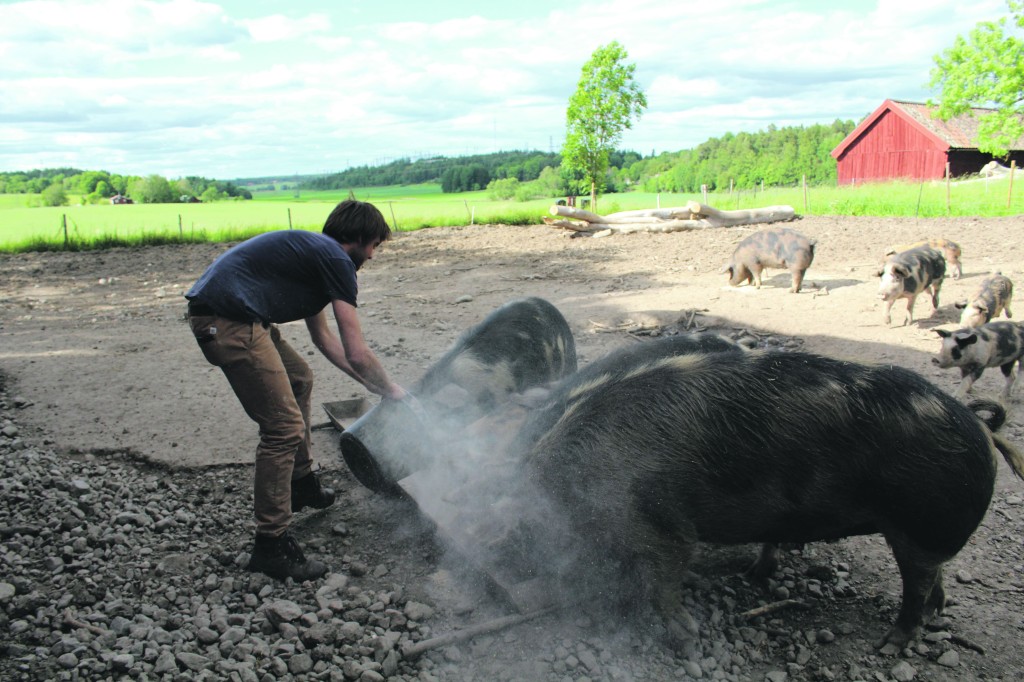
(275, 386)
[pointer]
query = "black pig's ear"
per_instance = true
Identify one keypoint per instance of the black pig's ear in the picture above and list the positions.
(966, 339)
(943, 333)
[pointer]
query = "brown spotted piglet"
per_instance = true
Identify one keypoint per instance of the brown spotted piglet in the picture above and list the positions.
(771, 248)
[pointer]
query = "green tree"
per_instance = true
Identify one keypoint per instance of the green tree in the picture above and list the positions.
(606, 101)
(987, 70)
(549, 182)
(153, 189)
(119, 183)
(54, 195)
(212, 194)
(502, 188)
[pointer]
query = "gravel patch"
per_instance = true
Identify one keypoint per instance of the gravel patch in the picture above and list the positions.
(115, 569)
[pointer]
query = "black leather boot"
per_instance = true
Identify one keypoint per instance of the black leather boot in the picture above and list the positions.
(281, 557)
(307, 492)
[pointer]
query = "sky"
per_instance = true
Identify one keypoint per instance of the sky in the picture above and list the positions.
(256, 88)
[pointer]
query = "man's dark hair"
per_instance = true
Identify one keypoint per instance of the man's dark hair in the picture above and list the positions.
(356, 222)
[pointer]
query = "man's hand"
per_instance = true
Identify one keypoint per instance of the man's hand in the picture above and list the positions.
(414, 405)
(395, 392)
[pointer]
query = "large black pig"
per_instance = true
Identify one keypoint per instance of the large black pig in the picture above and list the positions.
(648, 455)
(523, 344)
(771, 248)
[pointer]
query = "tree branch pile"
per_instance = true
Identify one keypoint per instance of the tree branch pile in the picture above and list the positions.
(693, 216)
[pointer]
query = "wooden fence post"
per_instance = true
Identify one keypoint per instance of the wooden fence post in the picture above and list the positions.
(1009, 191)
(181, 232)
(803, 181)
(65, 220)
(289, 218)
(391, 205)
(947, 187)
(704, 193)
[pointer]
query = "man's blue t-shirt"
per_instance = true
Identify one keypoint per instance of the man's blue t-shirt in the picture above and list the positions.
(277, 277)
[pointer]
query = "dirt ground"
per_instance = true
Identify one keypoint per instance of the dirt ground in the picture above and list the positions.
(96, 342)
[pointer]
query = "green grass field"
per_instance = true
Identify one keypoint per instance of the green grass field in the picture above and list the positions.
(80, 227)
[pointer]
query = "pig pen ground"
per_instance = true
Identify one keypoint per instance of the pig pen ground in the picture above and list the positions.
(126, 464)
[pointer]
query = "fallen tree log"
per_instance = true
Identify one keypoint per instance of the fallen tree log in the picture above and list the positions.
(753, 216)
(693, 216)
(577, 213)
(568, 224)
(627, 228)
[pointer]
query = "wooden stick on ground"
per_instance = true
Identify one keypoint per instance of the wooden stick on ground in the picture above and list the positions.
(414, 650)
(77, 624)
(771, 608)
(964, 642)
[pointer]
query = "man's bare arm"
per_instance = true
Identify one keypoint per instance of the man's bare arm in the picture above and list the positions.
(349, 351)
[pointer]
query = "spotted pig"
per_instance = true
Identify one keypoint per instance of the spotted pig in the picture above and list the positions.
(908, 274)
(771, 248)
(950, 250)
(992, 297)
(996, 344)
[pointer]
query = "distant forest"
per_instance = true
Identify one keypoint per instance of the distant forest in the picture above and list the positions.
(773, 157)
(459, 174)
(56, 185)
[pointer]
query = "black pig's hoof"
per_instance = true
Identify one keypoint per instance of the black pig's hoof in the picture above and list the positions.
(898, 637)
(765, 564)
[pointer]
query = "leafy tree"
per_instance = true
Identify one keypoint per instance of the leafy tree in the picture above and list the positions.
(36, 185)
(450, 180)
(986, 69)
(120, 183)
(502, 188)
(549, 183)
(86, 181)
(606, 101)
(153, 189)
(54, 195)
(211, 193)
(466, 178)
(188, 186)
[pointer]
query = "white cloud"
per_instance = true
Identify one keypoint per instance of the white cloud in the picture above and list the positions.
(224, 89)
(277, 27)
(123, 24)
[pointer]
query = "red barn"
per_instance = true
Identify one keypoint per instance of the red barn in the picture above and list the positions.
(904, 140)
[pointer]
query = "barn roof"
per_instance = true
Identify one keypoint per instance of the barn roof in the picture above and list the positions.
(960, 132)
